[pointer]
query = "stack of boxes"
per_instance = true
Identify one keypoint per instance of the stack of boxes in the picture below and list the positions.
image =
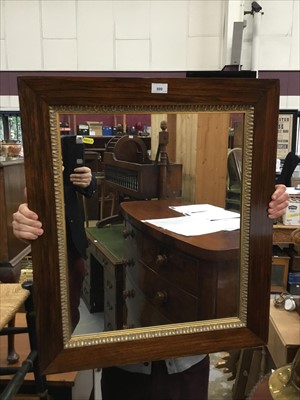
(292, 215)
(95, 128)
(292, 219)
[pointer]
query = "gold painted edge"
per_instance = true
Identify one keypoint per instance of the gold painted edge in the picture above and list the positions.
(154, 332)
(245, 212)
(191, 108)
(60, 221)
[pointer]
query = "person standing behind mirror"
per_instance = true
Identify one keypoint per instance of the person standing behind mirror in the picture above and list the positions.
(183, 378)
(26, 226)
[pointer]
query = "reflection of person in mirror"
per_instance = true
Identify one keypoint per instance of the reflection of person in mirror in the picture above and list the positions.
(184, 378)
(26, 226)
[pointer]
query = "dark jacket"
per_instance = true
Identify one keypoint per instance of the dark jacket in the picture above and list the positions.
(76, 237)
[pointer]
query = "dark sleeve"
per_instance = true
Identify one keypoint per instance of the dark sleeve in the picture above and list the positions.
(89, 190)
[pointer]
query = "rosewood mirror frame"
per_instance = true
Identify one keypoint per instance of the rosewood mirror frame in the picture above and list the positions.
(39, 98)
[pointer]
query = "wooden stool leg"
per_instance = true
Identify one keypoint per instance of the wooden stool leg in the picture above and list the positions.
(40, 380)
(251, 367)
(239, 387)
(12, 356)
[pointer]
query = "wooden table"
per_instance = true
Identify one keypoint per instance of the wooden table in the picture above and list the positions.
(284, 335)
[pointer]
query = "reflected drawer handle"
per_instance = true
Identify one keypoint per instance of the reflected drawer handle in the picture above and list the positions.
(128, 263)
(161, 260)
(128, 232)
(127, 294)
(109, 285)
(128, 326)
(161, 297)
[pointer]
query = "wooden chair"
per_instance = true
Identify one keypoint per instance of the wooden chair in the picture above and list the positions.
(12, 298)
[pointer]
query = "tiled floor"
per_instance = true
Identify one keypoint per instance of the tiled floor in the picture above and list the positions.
(89, 323)
(220, 385)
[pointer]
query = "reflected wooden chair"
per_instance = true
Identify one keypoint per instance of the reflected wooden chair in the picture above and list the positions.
(92, 159)
(234, 176)
(108, 196)
(105, 200)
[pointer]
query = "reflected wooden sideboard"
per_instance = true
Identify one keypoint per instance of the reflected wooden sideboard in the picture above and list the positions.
(170, 278)
(12, 250)
(152, 277)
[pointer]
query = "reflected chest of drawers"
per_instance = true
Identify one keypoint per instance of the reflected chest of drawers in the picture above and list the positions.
(170, 278)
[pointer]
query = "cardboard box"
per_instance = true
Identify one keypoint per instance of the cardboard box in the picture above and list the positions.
(279, 277)
(292, 214)
(95, 128)
(295, 182)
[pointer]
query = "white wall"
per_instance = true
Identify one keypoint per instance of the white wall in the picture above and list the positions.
(111, 35)
(144, 35)
(150, 35)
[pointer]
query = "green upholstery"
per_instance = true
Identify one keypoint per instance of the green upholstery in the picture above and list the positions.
(111, 237)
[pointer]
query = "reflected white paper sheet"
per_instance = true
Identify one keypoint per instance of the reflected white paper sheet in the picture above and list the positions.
(199, 219)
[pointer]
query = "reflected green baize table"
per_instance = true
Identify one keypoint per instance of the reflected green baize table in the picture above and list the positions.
(103, 284)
